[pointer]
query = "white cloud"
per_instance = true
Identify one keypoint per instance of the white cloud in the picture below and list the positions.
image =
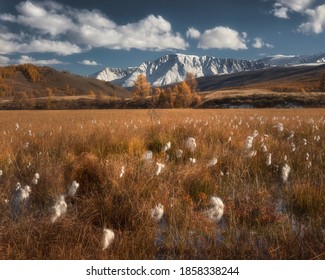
(259, 43)
(4, 60)
(43, 46)
(296, 5)
(28, 59)
(193, 33)
(222, 38)
(44, 18)
(9, 43)
(150, 33)
(316, 23)
(94, 19)
(89, 62)
(280, 11)
(94, 29)
(282, 8)
(8, 17)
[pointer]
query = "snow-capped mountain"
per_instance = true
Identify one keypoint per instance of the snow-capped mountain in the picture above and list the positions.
(173, 68)
(291, 60)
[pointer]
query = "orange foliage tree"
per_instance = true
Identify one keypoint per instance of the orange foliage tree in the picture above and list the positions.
(141, 87)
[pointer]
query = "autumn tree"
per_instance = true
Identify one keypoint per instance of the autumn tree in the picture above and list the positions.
(157, 91)
(183, 95)
(185, 90)
(191, 81)
(141, 87)
(163, 100)
(31, 72)
(171, 97)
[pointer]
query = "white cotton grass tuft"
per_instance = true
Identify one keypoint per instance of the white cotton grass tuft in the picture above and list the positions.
(60, 208)
(279, 127)
(292, 134)
(264, 148)
(157, 212)
(72, 188)
(21, 194)
(18, 186)
(35, 179)
(179, 153)
(160, 168)
(108, 237)
(251, 153)
(26, 145)
(317, 138)
(1, 172)
(190, 144)
(192, 160)
(215, 213)
(249, 142)
(148, 155)
(18, 197)
(285, 171)
(25, 192)
(122, 171)
(213, 162)
(166, 147)
(269, 159)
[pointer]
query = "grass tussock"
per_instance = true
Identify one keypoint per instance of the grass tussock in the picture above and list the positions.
(270, 212)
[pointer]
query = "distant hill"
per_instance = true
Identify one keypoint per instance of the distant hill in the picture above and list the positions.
(279, 79)
(42, 81)
(290, 86)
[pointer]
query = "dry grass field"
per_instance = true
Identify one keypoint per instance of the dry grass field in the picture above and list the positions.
(267, 167)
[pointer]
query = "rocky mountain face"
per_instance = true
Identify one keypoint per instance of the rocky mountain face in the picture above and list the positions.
(173, 68)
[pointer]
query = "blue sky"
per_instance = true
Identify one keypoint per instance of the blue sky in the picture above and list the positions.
(86, 36)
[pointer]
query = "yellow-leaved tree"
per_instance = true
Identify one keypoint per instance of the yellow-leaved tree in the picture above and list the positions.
(191, 81)
(141, 88)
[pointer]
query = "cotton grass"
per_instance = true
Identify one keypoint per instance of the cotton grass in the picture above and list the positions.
(107, 238)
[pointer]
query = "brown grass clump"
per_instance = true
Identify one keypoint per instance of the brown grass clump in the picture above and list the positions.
(264, 217)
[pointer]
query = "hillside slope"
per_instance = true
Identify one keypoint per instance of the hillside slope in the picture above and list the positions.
(42, 81)
(272, 78)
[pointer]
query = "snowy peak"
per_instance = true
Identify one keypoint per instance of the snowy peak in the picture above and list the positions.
(173, 68)
(110, 74)
(290, 60)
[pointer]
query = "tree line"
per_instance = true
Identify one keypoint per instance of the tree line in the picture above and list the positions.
(182, 95)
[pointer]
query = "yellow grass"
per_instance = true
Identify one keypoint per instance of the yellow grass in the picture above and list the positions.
(264, 217)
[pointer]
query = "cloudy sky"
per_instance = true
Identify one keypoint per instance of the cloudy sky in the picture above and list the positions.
(86, 36)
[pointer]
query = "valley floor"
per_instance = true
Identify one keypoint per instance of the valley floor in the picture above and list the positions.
(155, 178)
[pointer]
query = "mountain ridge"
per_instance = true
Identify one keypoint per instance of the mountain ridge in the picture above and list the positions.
(172, 68)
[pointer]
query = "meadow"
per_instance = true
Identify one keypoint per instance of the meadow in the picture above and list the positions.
(152, 178)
